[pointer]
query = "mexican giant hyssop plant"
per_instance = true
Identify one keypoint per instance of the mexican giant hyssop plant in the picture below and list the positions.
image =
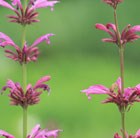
(117, 94)
(24, 95)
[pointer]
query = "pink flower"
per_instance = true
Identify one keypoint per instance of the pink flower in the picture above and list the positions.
(113, 3)
(127, 35)
(5, 134)
(25, 54)
(36, 133)
(130, 95)
(45, 133)
(28, 15)
(30, 96)
(137, 135)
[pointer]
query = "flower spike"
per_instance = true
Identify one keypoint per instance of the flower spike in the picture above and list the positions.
(123, 101)
(113, 3)
(25, 54)
(28, 15)
(31, 96)
(128, 34)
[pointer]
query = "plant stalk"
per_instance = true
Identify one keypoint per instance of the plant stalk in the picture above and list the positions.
(121, 55)
(24, 122)
(24, 84)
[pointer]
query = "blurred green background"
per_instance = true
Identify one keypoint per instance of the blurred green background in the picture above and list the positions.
(75, 60)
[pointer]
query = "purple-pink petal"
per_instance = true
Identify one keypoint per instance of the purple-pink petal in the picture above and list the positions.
(134, 29)
(43, 79)
(6, 40)
(43, 4)
(5, 134)
(117, 136)
(34, 131)
(41, 39)
(138, 87)
(6, 5)
(138, 134)
(108, 40)
(111, 26)
(96, 89)
(101, 27)
(128, 92)
(52, 133)
(17, 3)
(118, 83)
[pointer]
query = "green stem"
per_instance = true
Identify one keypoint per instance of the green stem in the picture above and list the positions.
(24, 84)
(123, 124)
(24, 122)
(24, 77)
(121, 54)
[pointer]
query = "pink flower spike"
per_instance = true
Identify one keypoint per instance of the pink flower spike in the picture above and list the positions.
(113, 3)
(6, 5)
(29, 97)
(5, 134)
(25, 54)
(122, 100)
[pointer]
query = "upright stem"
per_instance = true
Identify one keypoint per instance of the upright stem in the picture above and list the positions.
(24, 122)
(123, 124)
(24, 70)
(24, 84)
(121, 54)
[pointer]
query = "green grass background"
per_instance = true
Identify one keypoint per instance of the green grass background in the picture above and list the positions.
(75, 60)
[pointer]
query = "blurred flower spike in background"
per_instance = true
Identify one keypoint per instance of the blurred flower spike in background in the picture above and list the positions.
(28, 15)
